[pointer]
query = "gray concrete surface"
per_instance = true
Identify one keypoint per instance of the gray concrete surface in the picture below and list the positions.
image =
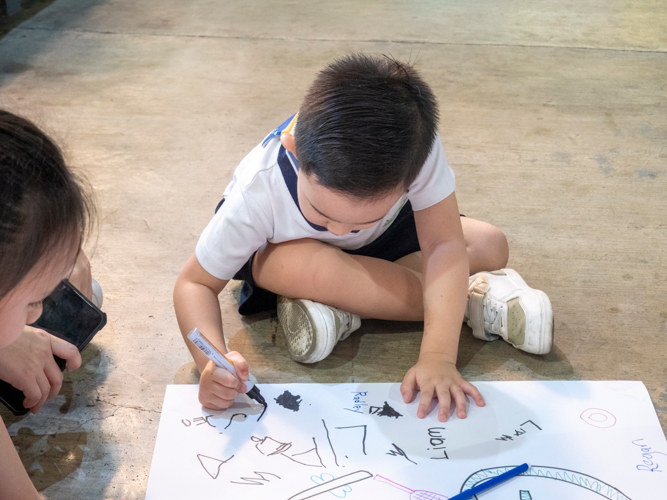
(554, 117)
(12, 7)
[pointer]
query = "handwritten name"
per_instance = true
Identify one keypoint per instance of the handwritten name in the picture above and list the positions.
(649, 465)
(358, 402)
(437, 441)
(519, 432)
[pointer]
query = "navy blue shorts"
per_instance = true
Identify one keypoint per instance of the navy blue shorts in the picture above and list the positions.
(399, 240)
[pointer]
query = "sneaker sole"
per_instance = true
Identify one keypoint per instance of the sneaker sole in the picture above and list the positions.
(309, 339)
(545, 333)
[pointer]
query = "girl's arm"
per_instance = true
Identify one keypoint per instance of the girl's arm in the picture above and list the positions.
(14, 481)
(196, 304)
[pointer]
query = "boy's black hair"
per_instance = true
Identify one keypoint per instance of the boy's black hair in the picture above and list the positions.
(366, 126)
(43, 207)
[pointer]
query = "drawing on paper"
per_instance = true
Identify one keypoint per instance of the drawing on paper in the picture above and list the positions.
(598, 418)
(231, 419)
(289, 401)
(567, 476)
(397, 452)
(384, 411)
(212, 465)
(345, 434)
(363, 439)
(269, 446)
(328, 486)
(414, 494)
(259, 479)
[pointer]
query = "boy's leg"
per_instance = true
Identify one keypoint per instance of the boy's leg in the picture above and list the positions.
(365, 286)
(329, 290)
(486, 244)
(499, 303)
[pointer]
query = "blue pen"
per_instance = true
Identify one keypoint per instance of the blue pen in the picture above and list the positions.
(491, 482)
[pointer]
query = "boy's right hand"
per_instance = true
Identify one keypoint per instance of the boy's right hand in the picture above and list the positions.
(218, 388)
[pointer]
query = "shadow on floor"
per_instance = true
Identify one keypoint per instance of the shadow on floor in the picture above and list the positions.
(29, 8)
(53, 443)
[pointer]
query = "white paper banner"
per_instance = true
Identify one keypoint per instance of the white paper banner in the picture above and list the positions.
(583, 440)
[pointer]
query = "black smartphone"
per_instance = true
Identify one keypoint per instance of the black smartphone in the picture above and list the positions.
(69, 315)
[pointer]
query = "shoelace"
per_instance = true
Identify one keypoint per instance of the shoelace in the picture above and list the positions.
(493, 315)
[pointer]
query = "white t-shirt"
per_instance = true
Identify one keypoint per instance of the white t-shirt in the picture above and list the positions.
(260, 206)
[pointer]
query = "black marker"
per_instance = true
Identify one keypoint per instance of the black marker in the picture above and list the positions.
(198, 339)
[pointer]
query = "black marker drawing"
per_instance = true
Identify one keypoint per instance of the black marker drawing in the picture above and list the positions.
(269, 447)
(384, 411)
(325, 487)
(212, 465)
(198, 420)
(437, 441)
(256, 481)
(289, 401)
(363, 440)
(555, 473)
(262, 414)
(414, 494)
(330, 445)
(397, 452)
(203, 420)
(531, 422)
(309, 452)
(518, 432)
(231, 419)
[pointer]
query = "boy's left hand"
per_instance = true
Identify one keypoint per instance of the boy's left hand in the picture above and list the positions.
(434, 375)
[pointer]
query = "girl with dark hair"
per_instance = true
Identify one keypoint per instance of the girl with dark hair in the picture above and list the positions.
(44, 216)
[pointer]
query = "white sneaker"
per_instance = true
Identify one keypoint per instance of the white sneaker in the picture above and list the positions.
(313, 329)
(98, 296)
(501, 304)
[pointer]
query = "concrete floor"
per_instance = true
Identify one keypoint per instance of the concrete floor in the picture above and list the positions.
(554, 117)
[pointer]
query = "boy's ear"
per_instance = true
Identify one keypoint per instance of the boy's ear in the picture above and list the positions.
(287, 140)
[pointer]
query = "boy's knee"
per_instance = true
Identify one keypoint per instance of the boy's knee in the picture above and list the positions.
(498, 249)
(293, 264)
(325, 267)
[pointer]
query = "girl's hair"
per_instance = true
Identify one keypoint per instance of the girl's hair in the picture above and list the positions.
(43, 207)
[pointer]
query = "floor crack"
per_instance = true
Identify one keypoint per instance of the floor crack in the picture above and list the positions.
(356, 40)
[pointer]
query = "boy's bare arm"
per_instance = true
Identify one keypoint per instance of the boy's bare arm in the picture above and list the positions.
(196, 305)
(445, 281)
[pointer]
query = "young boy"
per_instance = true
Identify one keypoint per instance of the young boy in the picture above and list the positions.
(347, 210)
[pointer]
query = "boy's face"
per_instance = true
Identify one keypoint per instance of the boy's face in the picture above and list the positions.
(338, 212)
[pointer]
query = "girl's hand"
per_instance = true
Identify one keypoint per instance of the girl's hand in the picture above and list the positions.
(28, 365)
(436, 377)
(218, 388)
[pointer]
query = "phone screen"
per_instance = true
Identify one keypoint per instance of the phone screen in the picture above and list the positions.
(69, 315)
